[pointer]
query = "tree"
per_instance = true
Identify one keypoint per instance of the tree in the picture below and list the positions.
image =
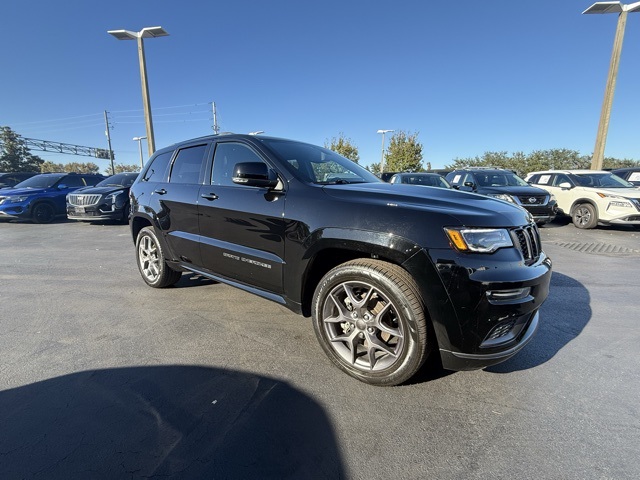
(404, 153)
(14, 154)
(343, 146)
(120, 168)
(76, 167)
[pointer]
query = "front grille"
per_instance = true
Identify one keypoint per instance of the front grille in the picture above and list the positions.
(533, 199)
(83, 200)
(528, 242)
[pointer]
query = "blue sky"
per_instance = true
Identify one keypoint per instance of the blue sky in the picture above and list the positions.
(468, 76)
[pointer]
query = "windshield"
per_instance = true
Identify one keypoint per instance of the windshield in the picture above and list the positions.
(118, 180)
(310, 163)
(500, 179)
(423, 179)
(39, 181)
(604, 180)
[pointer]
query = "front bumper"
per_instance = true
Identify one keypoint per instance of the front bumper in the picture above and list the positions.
(483, 307)
(93, 213)
(474, 361)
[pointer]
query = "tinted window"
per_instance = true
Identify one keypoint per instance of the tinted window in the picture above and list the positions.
(157, 170)
(73, 181)
(40, 181)
(188, 164)
(226, 156)
(119, 179)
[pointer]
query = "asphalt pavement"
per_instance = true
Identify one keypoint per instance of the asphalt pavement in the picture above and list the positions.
(104, 377)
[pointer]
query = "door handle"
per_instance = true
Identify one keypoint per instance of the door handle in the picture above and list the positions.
(209, 196)
(160, 191)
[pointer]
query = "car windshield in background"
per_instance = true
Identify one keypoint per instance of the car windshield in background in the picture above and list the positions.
(604, 180)
(313, 164)
(39, 181)
(118, 180)
(500, 180)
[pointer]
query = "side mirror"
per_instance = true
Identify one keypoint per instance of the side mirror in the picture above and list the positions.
(254, 174)
(62, 186)
(566, 185)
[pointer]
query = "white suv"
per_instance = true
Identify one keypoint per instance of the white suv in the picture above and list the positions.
(591, 196)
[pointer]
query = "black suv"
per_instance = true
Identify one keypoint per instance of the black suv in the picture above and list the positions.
(108, 200)
(506, 185)
(387, 273)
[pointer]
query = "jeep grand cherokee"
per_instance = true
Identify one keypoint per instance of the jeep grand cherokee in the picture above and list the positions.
(388, 273)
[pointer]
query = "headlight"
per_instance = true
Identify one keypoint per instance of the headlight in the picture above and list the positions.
(17, 199)
(480, 240)
(502, 196)
(616, 200)
(112, 196)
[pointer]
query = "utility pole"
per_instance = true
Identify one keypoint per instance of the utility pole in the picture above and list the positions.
(216, 128)
(108, 134)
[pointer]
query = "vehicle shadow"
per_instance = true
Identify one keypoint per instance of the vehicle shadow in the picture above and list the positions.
(166, 421)
(562, 318)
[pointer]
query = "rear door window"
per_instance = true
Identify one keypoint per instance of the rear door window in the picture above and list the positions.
(188, 165)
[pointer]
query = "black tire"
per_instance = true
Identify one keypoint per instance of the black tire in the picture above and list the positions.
(43, 212)
(151, 261)
(125, 215)
(370, 321)
(584, 216)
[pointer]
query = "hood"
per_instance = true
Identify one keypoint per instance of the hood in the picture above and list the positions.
(518, 191)
(11, 192)
(99, 190)
(629, 192)
(463, 208)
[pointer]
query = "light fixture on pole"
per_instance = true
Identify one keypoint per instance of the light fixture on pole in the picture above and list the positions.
(605, 115)
(148, 32)
(139, 140)
(382, 158)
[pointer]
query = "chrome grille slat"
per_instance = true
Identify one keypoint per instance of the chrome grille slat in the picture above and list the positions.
(83, 200)
(528, 242)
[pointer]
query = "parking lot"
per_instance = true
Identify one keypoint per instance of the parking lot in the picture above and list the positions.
(104, 377)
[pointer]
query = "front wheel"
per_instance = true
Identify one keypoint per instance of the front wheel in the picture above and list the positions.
(369, 320)
(43, 213)
(584, 216)
(151, 261)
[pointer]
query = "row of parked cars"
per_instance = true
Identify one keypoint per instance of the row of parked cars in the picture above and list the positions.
(588, 197)
(80, 196)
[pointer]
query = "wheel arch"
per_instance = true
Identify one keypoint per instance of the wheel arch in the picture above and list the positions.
(581, 201)
(138, 223)
(333, 247)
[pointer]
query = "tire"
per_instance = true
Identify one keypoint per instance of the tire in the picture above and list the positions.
(370, 321)
(43, 213)
(584, 216)
(151, 261)
(125, 215)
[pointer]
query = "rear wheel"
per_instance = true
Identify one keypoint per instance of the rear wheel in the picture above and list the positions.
(43, 213)
(151, 261)
(369, 320)
(584, 216)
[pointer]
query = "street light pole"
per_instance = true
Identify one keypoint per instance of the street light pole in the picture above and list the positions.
(139, 140)
(147, 32)
(605, 115)
(382, 157)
